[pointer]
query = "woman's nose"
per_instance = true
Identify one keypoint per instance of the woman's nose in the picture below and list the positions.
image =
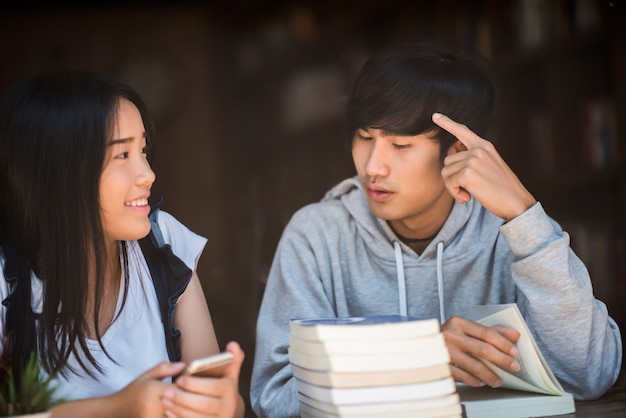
(145, 175)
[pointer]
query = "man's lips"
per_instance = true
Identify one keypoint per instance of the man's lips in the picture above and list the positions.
(378, 193)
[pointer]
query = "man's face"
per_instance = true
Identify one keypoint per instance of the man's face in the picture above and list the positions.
(401, 177)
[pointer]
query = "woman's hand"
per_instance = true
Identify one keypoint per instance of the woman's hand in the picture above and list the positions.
(142, 398)
(206, 396)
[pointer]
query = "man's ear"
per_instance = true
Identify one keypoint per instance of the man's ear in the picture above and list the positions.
(458, 146)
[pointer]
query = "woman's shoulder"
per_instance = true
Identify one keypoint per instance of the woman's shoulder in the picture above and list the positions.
(4, 286)
(172, 228)
(186, 244)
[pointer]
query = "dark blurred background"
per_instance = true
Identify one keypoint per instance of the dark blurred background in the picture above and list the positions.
(249, 96)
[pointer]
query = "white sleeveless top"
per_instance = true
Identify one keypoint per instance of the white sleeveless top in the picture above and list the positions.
(135, 340)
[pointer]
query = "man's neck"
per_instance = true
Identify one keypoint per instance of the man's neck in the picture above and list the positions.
(425, 226)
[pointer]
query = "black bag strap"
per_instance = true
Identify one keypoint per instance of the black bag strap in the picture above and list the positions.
(20, 333)
(170, 276)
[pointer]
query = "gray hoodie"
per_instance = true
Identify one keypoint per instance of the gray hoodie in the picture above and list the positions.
(336, 259)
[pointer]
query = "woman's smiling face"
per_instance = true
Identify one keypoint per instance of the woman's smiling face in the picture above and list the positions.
(126, 178)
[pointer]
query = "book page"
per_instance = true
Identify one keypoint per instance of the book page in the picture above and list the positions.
(535, 374)
(520, 380)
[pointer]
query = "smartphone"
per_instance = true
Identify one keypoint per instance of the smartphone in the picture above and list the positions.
(211, 366)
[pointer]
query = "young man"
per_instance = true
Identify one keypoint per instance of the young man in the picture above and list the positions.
(434, 222)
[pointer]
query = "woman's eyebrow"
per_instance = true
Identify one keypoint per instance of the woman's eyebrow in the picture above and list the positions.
(112, 142)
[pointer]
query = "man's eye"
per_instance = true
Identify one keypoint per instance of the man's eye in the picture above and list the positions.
(400, 146)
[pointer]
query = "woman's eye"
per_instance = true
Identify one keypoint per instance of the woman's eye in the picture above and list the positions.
(146, 150)
(122, 156)
(400, 146)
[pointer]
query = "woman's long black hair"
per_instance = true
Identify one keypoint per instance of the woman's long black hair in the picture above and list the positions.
(53, 131)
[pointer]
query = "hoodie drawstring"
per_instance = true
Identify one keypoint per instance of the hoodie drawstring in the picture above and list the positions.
(442, 316)
(402, 280)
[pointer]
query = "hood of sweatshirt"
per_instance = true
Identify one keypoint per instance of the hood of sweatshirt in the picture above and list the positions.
(384, 243)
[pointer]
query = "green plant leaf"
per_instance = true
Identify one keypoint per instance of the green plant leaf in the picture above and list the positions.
(34, 394)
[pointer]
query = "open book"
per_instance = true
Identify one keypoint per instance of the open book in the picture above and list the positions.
(534, 375)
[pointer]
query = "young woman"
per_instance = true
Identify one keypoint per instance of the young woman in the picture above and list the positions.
(75, 183)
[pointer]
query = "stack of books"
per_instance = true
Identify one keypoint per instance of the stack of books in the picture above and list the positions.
(374, 366)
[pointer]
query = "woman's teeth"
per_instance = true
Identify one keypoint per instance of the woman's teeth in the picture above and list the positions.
(139, 202)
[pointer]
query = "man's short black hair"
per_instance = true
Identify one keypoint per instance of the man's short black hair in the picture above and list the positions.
(402, 85)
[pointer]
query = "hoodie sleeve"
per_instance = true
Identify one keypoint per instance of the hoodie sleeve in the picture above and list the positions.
(294, 289)
(574, 332)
